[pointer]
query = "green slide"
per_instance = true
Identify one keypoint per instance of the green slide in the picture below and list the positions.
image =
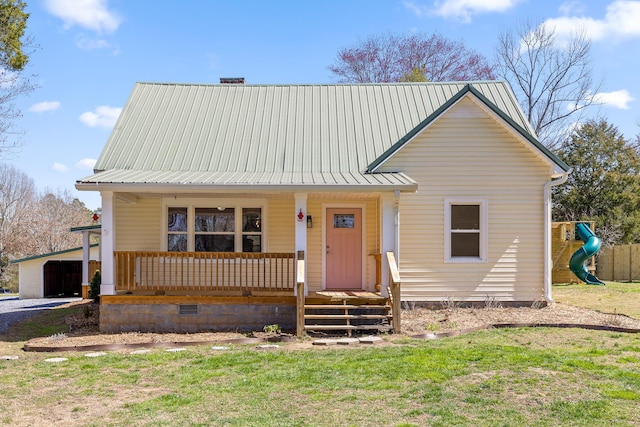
(590, 248)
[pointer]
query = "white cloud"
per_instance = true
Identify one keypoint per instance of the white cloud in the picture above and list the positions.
(571, 7)
(462, 10)
(618, 99)
(416, 9)
(59, 167)
(103, 117)
(43, 106)
(620, 22)
(86, 164)
(88, 44)
(90, 14)
(92, 44)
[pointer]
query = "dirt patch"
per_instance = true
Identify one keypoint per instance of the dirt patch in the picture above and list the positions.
(83, 326)
(422, 320)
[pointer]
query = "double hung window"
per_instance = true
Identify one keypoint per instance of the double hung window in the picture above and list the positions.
(214, 230)
(465, 230)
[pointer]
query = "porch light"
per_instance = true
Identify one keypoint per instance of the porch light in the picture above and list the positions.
(220, 208)
(309, 221)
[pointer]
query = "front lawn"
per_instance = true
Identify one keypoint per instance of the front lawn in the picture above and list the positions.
(534, 377)
(500, 377)
(615, 297)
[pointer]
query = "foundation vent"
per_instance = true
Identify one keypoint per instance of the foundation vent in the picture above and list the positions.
(188, 309)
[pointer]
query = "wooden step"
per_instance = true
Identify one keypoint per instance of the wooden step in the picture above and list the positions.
(345, 306)
(347, 311)
(348, 316)
(330, 327)
(347, 327)
(374, 327)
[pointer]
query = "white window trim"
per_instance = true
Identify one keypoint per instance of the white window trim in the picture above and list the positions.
(192, 203)
(484, 229)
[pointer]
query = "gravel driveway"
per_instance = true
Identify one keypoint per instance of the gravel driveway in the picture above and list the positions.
(14, 310)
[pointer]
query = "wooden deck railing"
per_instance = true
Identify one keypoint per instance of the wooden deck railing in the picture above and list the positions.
(204, 271)
(394, 292)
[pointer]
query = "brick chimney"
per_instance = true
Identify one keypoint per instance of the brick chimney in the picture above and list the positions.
(231, 80)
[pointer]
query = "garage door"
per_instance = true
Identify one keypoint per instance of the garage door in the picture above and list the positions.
(63, 279)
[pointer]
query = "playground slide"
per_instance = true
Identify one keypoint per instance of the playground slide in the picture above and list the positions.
(590, 248)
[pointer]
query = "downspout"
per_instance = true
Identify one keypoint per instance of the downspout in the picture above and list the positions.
(547, 232)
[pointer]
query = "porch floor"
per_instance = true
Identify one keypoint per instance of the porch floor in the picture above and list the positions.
(351, 296)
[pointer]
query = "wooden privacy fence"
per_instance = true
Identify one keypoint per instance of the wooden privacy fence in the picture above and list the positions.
(204, 271)
(619, 263)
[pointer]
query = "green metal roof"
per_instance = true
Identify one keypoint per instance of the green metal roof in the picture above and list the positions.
(274, 134)
(16, 261)
(292, 181)
(95, 227)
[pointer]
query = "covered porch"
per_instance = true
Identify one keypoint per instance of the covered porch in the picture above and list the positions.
(287, 262)
(193, 291)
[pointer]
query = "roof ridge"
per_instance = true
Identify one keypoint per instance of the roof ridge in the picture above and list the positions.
(451, 83)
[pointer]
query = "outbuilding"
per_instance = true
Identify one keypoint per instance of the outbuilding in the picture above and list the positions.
(56, 274)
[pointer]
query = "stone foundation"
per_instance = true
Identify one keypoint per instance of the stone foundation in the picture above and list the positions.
(194, 316)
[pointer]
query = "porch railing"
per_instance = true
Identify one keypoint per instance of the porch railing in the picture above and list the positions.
(394, 292)
(205, 271)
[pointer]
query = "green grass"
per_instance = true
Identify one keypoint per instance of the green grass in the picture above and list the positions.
(535, 377)
(501, 377)
(621, 298)
(44, 324)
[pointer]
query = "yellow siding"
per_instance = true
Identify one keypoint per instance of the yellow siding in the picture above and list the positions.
(467, 154)
(372, 242)
(314, 245)
(138, 225)
(281, 226)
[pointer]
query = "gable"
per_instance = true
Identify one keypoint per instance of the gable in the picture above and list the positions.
(466, 141)
(469, 93)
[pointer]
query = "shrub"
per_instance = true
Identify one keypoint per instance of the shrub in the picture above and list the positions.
(94, 286)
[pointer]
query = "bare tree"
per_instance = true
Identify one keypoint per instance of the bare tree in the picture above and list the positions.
(54, 213)
(12, 85)
(552, 78)
(387, 58)
(17, 193)
(32, 224)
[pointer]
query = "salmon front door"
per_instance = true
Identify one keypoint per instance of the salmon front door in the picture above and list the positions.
(344, 248)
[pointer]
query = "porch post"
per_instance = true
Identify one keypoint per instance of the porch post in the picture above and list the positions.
(388, 236)
(107, 241)
(301, 230)
(86, 254)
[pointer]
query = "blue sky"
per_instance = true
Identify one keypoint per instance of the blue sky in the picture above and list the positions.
(93, 51)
